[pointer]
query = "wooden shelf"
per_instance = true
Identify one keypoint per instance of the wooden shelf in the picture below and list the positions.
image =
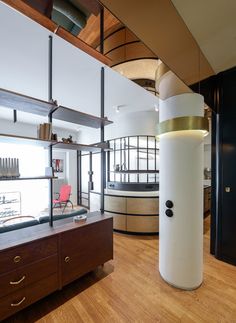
(26, 178)
(20, 102)
(75, 146)
(25, 140)
(81, 118)
(25, 103)
(136, 172)
(46, 143)
(103, 145)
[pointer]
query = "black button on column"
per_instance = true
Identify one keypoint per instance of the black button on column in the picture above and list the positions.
(169, 204)
(169, 213)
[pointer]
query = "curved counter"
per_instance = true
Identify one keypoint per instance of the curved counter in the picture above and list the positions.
(133, 212)
(136, 212)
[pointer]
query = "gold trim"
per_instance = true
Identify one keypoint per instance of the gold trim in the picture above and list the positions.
(183, 123)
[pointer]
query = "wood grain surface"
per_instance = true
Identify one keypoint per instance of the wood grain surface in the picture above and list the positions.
(130, 289)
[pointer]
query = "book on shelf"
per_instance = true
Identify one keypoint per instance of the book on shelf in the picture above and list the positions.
(45, 131)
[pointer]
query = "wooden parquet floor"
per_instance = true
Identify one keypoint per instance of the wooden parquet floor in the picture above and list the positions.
(130, 289)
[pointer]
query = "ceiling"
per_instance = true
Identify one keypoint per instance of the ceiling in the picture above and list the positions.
(91, 32)
(213, 25)
(196, 39)
(81, 72)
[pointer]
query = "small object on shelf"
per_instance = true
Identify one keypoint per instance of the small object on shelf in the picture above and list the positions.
(80, 218)
(116, 167)
(54, 136)
(67, 140)
(49, 171)
(207, 173)
(45, 131)
(9, 168)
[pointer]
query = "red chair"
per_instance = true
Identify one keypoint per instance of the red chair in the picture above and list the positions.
(63, 197)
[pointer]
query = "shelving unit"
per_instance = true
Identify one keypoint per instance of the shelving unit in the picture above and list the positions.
(19, 102)
(68, 250)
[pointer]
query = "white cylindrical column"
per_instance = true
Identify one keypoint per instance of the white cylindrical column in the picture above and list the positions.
(181, 181)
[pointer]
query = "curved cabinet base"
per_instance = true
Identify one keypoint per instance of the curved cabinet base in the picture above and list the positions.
(132, 214)
(137, 233)
(139, 224)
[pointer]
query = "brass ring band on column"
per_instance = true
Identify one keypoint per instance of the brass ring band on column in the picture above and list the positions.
(183, 123)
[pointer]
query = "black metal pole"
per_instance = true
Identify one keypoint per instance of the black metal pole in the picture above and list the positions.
(79, 178)
(147, 161)
(50, 121)
(102, 140)
(155, 160)
(108, 163)
(128, 160)
(138, 158)
(90, 184)
(102, 31)
(14, 116)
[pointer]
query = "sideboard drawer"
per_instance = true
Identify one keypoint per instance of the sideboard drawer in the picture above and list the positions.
(22, 255)
(15, 302)
(27, 275)
(86, 248)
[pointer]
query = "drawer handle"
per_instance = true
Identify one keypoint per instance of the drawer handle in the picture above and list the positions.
(18, 282)
(19, 303)
(17, 259)
(67, 259)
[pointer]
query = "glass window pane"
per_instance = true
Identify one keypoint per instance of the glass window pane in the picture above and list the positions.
(133, 178)
(151, 159)
(133, 160)
(143, 142)
(151, 142)
(133, 142)
(97, 172)
(142, 178)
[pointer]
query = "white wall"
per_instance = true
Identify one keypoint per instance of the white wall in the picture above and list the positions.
(89, 135)
(76, 78)
(23, 54)
(124, 124)
(134, 123)
(33, 161)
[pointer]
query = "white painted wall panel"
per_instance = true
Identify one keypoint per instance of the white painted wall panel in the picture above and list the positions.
(23, 54)
(76, 78)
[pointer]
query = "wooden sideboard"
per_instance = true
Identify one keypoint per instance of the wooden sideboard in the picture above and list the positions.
(39, 260)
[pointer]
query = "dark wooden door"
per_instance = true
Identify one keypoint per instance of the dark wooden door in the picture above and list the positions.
(227, 228)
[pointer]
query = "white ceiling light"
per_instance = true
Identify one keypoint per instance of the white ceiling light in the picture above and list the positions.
(156, 107)
(118, 107)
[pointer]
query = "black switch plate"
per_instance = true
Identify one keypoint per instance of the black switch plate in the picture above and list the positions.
(169, 213)
(169, 204)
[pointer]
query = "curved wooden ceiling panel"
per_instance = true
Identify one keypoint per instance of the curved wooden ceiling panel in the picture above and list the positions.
(159, 26)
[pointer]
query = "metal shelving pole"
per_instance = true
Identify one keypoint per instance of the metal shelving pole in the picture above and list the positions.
(102, 140)
(50, 121)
